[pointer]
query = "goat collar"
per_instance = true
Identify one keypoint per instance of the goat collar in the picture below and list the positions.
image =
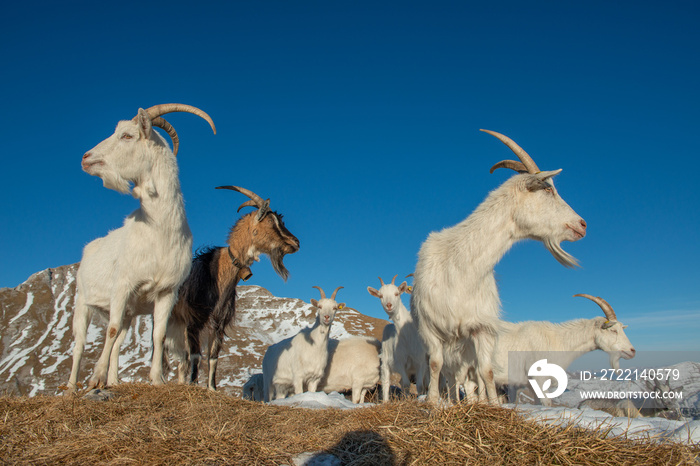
(244, 272)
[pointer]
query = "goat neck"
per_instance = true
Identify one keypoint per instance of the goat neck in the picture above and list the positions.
(159, 194)
(401, 317)
(484, 237)
(240, 242)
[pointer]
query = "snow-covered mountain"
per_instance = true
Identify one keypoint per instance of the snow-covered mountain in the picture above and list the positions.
(36, 335)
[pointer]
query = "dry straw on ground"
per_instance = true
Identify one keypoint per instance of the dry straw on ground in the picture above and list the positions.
(176, 424)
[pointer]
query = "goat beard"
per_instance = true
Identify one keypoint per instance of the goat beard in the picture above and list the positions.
(111, 180)
(563, 257)
(276, 258)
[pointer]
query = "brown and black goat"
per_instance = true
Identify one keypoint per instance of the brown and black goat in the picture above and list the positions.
(207, 298)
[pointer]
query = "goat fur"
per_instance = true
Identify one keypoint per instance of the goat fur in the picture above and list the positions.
(353, 364)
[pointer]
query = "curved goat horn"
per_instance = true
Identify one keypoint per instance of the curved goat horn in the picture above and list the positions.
(155, 112)
(168, 128)
(607, 308)
(160, 110)
(381, 281)
(334, 292)
(394, 279)
(255, 200)
(323, 295)
(526, 161)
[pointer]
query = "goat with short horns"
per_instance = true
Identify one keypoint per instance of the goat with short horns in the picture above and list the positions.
(208, 296)
(138, 268)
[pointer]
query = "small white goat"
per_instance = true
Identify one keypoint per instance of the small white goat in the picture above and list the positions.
(301, 360)
(138, 268)
(455, 297)
(561, 344)
(402, 349)
(353, 364)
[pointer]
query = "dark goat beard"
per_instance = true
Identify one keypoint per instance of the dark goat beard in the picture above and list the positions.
(276, 257)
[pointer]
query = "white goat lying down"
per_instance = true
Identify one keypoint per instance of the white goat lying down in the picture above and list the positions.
(455, 297)
(353, 364)
(560, 344)
(402, 349)
(301, 360)
(138, 268)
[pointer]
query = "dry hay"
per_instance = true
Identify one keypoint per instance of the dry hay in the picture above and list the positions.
(177, 424)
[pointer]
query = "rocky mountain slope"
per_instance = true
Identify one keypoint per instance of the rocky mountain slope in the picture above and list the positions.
(36, 335)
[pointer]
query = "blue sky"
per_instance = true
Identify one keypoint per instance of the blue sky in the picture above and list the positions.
(360, 121)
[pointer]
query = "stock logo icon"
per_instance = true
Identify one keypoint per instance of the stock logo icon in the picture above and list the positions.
(542, 369)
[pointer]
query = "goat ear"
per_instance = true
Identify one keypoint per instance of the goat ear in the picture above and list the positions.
(341, 305)
(143, 121)
(314, 303)
(263, 210)
(624, 326)
(374, 292)
(403, 288)
(547, 175)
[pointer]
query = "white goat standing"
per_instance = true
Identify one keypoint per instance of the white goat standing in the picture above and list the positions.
(561, 344)
(402, 349)
(138, 268)
(301, 360)
(454, 292)
(353, 364)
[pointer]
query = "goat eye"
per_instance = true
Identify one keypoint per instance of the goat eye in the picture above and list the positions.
(396, 294)
(127, 136)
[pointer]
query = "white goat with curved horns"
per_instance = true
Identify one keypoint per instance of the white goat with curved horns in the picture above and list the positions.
(521, 344)
(138, 268)
(455, 297)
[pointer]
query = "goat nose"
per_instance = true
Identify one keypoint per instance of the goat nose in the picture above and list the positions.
(86, 155)
(633, 351)
(583, 224)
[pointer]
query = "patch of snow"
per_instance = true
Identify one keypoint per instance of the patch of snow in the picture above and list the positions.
(25, 309)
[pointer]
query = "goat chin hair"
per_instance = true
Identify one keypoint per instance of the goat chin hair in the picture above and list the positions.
(276, 258)
(563, 257)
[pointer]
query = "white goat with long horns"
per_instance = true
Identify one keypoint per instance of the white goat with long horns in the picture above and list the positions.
(455, 297)
(138, 268)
